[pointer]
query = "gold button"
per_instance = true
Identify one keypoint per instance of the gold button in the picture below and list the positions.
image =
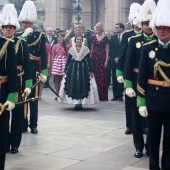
(157, 88)
(156, 59)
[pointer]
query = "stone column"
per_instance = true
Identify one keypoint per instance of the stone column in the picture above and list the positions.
(87, 14)
(51, 13)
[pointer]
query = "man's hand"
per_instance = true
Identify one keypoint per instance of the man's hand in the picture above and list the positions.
(116, 60)
(10, 105)
(120, 79)
(130, 92)
(143, 111)
(105, 64)
(91, 75)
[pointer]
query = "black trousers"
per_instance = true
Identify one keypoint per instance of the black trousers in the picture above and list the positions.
(118, 88)
(157, 120)
(33, 114)
(3, 129)
(128, 112)
(33, 106)
(137, 128)
(15, 133)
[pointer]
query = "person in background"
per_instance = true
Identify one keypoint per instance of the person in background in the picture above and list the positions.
(51, 40)
(107, 33)
(114, 48)
(77, 31)
(49, 60)
(99, 59)
(59, 58)
(87, 36)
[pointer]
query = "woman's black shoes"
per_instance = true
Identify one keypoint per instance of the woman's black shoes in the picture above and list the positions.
(78, 107)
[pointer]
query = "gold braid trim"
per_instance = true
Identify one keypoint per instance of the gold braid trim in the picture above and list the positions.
(36, 42)
(157, 67)
(141, 90)
(17, 45)
(3, 49)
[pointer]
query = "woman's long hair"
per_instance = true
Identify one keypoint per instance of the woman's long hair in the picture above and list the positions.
(64, 43)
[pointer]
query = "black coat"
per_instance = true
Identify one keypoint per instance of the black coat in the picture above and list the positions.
(157, 97)
(114, 47)
(8, 68)
(123, 49)
(23, 59)
(54, 40)
(133, 56)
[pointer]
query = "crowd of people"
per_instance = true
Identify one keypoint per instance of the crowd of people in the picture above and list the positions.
(83, 64)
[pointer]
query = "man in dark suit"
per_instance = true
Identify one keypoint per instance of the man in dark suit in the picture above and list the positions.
(50, 38)
(113, 60)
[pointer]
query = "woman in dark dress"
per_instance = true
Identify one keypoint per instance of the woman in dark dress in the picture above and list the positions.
(99, 58)
(78, 86)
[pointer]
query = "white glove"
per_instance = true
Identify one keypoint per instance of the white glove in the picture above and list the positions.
(130, 92)
(120, 79)
(143, 111)
(43, 78)
(27, 32)
(10, 104)
(27, 92)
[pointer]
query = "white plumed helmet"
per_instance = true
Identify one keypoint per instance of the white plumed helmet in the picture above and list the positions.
(161, 15)
(146, 12)
(28, 12)
(134, 10)
(9, 16)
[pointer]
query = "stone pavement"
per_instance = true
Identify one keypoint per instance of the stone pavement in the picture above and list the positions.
(92, 139)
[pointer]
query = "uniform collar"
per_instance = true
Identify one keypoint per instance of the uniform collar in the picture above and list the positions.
(165, 46)
(138, 32)
(148, 38)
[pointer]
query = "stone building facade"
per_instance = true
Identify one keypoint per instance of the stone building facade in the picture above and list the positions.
(58, 13)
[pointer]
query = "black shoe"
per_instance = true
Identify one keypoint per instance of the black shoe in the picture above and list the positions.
(78, 107)
(24, 130)
(34, 131)
(128, 132)
(120, 99)
(14, 150)
(145, 131)
(114, 99)
(138, 154)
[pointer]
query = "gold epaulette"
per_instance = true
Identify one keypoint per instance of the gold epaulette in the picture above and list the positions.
(40, 30)
(8, 39)
(135, 36)
(18, 32)
(151, 42)
(129, 30)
